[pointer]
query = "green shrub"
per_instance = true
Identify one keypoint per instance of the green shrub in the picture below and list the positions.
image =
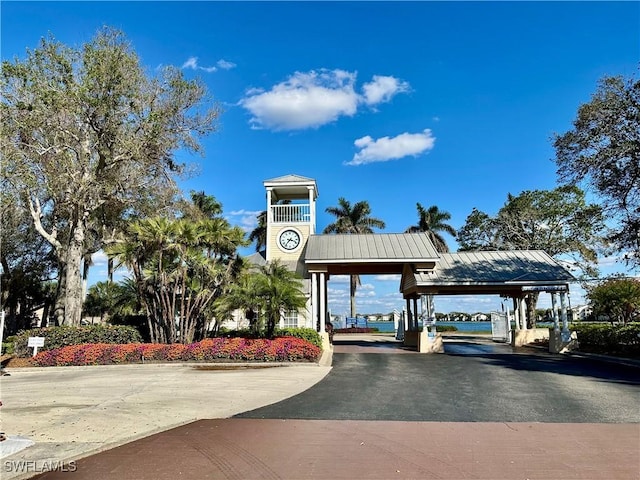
(57, 337)
(7, 347)
(308, 334)
(446, 328)
(608, 339)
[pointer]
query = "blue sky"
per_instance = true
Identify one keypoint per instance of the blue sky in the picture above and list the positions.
(445, 103)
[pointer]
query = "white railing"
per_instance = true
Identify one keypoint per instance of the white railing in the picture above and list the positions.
(298, 213)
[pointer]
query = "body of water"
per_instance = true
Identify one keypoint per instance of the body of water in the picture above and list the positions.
(461, 326)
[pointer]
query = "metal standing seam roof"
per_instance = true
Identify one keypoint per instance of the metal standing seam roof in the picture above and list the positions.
(375, 247)
(516, 267)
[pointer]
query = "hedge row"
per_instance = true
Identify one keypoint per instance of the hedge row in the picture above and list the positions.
(211, 349)
(608, 339)
(58, 337)
(308, 334)
(355, 330)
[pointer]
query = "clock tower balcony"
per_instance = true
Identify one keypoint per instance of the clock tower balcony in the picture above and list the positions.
(291, 214)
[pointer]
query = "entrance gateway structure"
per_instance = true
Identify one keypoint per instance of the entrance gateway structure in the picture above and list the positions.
(291, 238)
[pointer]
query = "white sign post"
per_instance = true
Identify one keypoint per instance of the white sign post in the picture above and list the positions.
(1, 329)
(35, 342)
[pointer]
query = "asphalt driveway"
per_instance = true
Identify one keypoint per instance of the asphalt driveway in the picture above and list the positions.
(474, 381)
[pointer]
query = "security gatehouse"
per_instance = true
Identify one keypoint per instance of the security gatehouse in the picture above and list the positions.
(291, 238)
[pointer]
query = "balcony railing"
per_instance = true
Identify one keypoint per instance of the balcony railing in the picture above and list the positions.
(297, 213)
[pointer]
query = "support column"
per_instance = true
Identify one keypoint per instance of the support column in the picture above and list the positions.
(522, 313)
(409, 319)
(415, 313)
(323, 297)
(554, 309)
(314, 302)
(563, 315)
(516, 313)
(312, 212)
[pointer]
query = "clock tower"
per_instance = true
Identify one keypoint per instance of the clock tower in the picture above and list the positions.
(291, 218)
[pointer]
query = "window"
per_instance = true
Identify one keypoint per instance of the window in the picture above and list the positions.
(290, 319)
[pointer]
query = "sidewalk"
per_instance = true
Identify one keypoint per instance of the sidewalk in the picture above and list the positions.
(72, 412)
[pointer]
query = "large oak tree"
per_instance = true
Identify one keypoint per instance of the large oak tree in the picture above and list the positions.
(88, 137)
(558, 221)
(602, 152)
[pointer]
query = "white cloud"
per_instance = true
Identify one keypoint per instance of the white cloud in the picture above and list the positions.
(315, 98)
(383, 89)
(340, 278)
(223, 64)
(245, 219)
(99, 258)
(192, 63)
(305, 100)
(386, 148)
(388, 277)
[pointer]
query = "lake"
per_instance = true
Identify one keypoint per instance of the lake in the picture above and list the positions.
(461, 326)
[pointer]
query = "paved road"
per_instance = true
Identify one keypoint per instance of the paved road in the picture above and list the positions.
(472, 382)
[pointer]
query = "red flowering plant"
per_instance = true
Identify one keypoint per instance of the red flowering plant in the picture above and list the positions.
(280, 349)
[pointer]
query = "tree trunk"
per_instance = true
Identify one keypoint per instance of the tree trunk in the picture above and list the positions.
(73, 277)
(58, 308)
(352, 290)
(531, 301)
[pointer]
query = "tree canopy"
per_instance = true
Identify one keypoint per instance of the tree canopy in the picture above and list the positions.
(88, 138)
(558, 221)
(602, 151)
(616, 298)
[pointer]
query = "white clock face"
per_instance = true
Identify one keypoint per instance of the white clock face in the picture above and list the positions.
(289, 239)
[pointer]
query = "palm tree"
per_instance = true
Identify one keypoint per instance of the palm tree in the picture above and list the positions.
(259, 234)
(269, 291)
(280, 290)
(180, 267)
(352, 220)
(432, 221)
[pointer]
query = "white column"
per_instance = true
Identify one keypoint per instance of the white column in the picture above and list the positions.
(314, 301)
(563, 314)
(312, 212)
(516, 313)
(323, 300)
(523, 314)
(409, 320)
(554, 309)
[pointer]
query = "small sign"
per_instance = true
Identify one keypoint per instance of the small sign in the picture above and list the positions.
(35, 342)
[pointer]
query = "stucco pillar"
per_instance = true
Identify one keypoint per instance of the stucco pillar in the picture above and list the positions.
(554, 309)
(322, 289)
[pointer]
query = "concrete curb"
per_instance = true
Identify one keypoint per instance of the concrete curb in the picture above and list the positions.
(162, 365)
